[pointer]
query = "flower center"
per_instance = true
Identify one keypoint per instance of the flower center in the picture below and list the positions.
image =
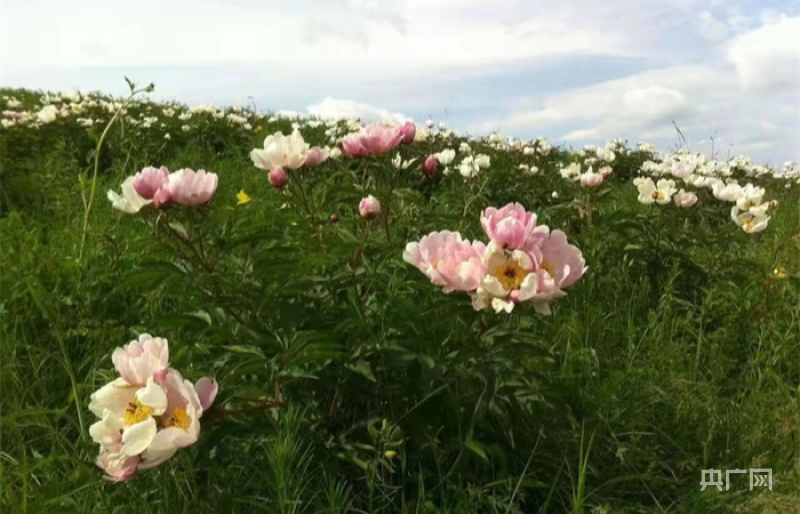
(657, 195)
(136, 412)
(548, 268)
(510, 274)
(749, 224)
(179, 418)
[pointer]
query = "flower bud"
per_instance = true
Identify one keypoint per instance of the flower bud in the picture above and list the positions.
(409, 130)
(429, 166)
(369, 207)
(390, 454)
(278, 178)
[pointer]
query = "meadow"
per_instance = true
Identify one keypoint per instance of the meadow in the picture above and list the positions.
(383, 329)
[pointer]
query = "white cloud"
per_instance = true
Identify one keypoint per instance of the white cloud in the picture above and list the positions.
(635, 101)
(359, 38)
(703, 101)
(332, 108)
(768, 58)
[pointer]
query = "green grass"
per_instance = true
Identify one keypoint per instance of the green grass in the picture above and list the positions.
(666, 358)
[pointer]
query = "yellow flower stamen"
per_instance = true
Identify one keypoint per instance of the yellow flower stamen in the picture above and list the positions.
(749, 224)
(657, 195)
(135, 412)
(179, 418)
(510, 274)
(548, 268)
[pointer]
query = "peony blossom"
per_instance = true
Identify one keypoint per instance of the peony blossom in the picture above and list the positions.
(522, 262)
(727, 192)
(149, 180)
(369, 207)
(661, 193)
(189, 188)
(445, 157)
(372, 139)
(280, 151)
(472, 165)
(448, 260)
(179, 423)
(514, 278)
(48, 114)
(141, 359)
(512, 227)
(128, 418)
(749, 222)
(316, 156)
(148, 413)
(591, 179)
(684, 200)
(130, 201)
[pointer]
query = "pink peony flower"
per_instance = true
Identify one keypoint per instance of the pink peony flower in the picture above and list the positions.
(118, 467)
(448, 261)
(141, 359)
(429, 166)
(562, 265)
(278, 178)
(315, 156)
(369, 207)
(684, 200)
(409, 130)
(512, 227)
(189, 188)
(591, 179)
(372, 139)
(148, 181)
(179, 424)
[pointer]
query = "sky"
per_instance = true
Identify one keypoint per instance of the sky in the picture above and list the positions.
(726, 72)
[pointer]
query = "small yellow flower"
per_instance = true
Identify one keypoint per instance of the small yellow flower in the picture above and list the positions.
(779, 273)
(242, 198)
(390, 454)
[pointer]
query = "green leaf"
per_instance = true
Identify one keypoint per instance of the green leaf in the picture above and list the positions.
(364, 369)
(476, 449)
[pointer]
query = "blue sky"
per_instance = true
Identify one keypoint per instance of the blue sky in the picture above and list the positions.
(575, 71)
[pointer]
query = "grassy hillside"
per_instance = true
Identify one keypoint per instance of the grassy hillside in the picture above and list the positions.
(348, 382)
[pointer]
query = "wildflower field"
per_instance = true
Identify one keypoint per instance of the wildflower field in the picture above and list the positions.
(209, 309)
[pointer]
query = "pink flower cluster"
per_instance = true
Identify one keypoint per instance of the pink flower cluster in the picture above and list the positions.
(161, 188)
(184, 187)
(149, 412)
(378, 138)
(522, 262)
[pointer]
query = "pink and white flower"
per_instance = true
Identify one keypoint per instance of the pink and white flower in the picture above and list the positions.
(369, 207)
(147, 414)
(684, 200)
(372, 139)
(129, 201)
(512, 227)
(148, 181)
(521, 263)
(190, 188)
(448, 260)
(141, 359)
